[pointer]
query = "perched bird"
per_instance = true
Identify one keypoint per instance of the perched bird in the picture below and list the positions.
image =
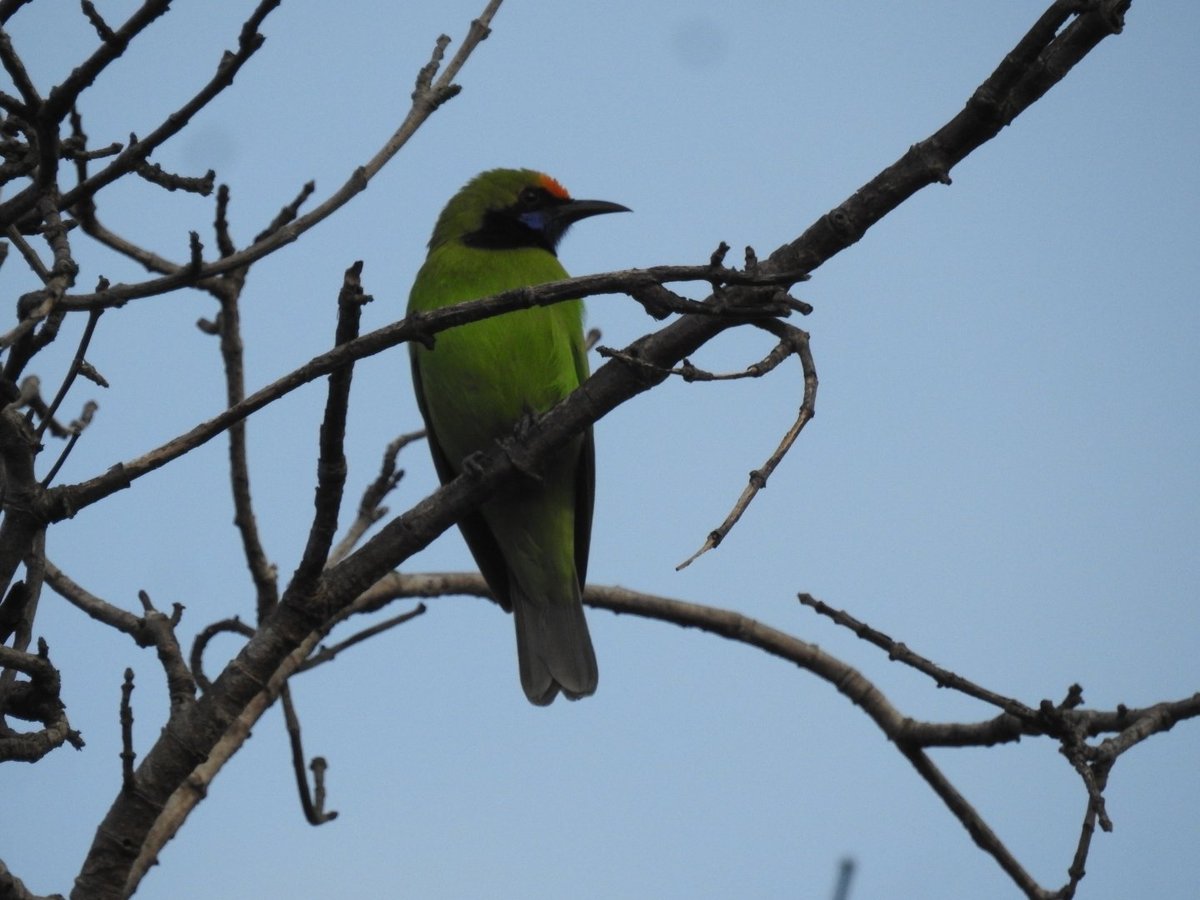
(480, 381)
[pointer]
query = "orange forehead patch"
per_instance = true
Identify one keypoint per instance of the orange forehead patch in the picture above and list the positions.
(553, 187)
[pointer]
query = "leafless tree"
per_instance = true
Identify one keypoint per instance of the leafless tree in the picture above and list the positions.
(55, 182)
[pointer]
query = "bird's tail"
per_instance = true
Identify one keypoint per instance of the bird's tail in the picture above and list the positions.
(554, 649)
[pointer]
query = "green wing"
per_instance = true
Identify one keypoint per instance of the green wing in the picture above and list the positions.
(585, 481)
(474, 529)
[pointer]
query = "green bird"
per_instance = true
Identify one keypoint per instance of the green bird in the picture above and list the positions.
(480, 381)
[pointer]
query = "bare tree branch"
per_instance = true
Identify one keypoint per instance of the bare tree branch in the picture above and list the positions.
(328, 654)
(113, 44)
(331, 586)
(427, 98)
(331, 462)
(1069, 726)
(370, 508)
(228, 290)
(63, 98)
(65, 500)
(313, 803)
(12, 887)
(21, 521)
(100, 610)
(127, 752)
(34, 700)
(300, 614)
(76, 365)
(792, 340)
(160, 630)
(901, 653)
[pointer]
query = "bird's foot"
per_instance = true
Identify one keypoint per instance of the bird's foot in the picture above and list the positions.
(525, 424)
(472, 466)
(514, 447)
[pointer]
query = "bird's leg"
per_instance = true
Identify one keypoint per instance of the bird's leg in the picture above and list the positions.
(472, 466)
(525, 423)
(514, 446)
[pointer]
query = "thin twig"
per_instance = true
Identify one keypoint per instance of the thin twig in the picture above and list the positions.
(1135, 725)
(370, 508)
(68, 499)
(232, 625)
(899, 652)
(425, 102)
(288, 213)
(22, 339)
(72, 372)
(36, 700)
(263, 573)
(103, 30)
(76, 431)
(12, 887)
(192, 790)
(155, 174)
(331, 482)
(841, 890)
(28, 253)
(986, 839)
(127, 752)
(17, 72)
(331, 461)
(21, 523)
(313, 806)
(328, 654)
(63, 97)
(98, 609)
(29, 397)
(797, 343)
(160, 628)
(689, 372)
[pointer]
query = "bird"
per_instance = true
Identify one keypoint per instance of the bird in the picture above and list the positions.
(481, 382)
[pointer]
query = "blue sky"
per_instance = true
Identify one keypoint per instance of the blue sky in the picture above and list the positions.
(1002, 472)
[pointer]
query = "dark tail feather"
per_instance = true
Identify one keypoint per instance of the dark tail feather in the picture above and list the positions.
(554, 649)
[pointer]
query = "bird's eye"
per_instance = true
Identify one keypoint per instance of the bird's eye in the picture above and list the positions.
(529, 198)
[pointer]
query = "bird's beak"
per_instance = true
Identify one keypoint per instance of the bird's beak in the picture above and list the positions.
(555, 220)
(574, 210)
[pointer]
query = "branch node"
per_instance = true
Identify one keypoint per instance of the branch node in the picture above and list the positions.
(105, 33)
(196, 252)
(751, 261)
(127, 752)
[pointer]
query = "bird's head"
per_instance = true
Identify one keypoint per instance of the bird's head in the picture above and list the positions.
(503, 209)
